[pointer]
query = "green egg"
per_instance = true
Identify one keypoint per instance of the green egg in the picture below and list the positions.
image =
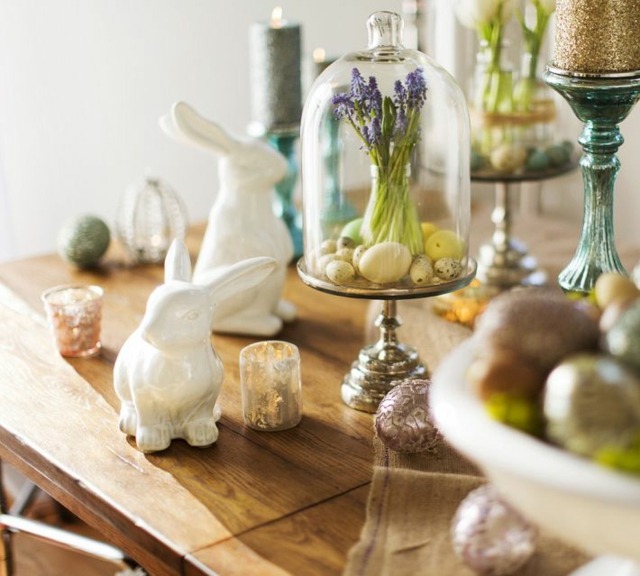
(352, 230)
(538, 160)
(83, 240)
(558, 154)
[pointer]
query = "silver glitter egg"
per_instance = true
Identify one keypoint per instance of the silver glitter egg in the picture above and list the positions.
(489, 536)
(592, 402)
(402, 420)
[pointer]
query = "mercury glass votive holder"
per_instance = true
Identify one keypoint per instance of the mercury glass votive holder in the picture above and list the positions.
(74, 313)
(270, 385)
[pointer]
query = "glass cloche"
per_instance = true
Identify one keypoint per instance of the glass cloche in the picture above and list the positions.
(385, 173)
(385, 186)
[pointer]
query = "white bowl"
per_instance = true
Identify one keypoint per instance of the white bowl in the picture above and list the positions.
(583, 503)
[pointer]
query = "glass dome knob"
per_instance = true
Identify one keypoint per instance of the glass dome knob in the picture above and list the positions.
(385, 31)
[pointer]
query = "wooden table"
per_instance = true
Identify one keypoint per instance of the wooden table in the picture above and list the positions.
(290, 502)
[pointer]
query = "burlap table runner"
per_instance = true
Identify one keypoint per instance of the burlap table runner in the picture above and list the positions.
(413, 497)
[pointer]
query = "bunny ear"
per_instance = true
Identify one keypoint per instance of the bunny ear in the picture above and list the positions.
(177, 264)
(169, 128)
(238, 277)
(200, 131)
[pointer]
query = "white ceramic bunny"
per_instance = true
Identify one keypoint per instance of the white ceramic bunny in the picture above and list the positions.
(242, 223)
(167, 374)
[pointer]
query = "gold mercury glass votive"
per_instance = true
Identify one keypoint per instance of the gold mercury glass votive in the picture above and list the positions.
(270, 385)
(74, 313)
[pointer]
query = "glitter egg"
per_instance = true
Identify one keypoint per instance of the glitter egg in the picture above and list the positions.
(402, 420)
(489, 536)
(592, 405)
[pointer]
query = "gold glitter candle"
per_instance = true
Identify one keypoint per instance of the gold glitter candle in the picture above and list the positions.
(597, 36)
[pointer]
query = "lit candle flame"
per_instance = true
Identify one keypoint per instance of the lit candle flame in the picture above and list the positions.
(276, 17)
(319, 55)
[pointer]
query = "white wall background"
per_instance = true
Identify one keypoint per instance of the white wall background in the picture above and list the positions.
(83, 83)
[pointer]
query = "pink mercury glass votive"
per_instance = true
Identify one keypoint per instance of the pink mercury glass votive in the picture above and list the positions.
(74, 313)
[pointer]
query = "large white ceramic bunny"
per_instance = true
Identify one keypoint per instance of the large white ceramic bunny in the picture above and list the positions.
(167, 374)
(242, 223)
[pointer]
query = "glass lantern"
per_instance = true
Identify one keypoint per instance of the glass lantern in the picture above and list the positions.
(150, 215)
(385, 183)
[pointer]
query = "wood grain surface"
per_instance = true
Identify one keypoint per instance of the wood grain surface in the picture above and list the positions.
(290, 502)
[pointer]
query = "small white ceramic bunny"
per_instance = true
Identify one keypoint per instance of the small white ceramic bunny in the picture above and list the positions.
(242, 223)
(167, 374)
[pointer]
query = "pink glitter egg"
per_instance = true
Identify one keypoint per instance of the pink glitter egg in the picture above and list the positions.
(402, 420)
(489, 536)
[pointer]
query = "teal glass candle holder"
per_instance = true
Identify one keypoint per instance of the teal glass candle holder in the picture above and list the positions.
(285, 208)
(602, 102)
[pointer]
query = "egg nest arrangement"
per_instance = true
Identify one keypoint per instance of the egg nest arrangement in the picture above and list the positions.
(515, 159)
(347, 261)
(565, 370)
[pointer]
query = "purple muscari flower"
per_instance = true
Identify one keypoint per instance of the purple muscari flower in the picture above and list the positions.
(375, 97)
(416, 88)
(400, 126)
(372, 132)
(343, 105)
(358, 84)
(399, 94)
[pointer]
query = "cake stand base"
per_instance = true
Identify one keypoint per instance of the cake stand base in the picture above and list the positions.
(378, 368)
(508, 267)
(505, 262)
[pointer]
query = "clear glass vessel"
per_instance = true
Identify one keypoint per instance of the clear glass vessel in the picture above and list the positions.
(385, 173)
(150, 215)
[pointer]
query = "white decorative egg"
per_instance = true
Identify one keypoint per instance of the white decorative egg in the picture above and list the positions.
(385, 262)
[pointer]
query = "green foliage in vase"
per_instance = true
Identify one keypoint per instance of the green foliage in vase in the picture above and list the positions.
(389, 128)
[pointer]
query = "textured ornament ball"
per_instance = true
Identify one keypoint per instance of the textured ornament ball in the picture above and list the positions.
(402, 420)
(83, 240)
(489, 536)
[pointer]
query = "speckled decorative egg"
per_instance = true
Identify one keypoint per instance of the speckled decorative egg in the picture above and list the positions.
(490, 536)
(507, 158)
(357, 255)
(622, 340)
(328, 246)
(345, 242)
(421, 270)
(592, 403)
(323, 261)
(340, 271)
(385, 262)
(345, 254)
(447, 268)
(402, 420)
